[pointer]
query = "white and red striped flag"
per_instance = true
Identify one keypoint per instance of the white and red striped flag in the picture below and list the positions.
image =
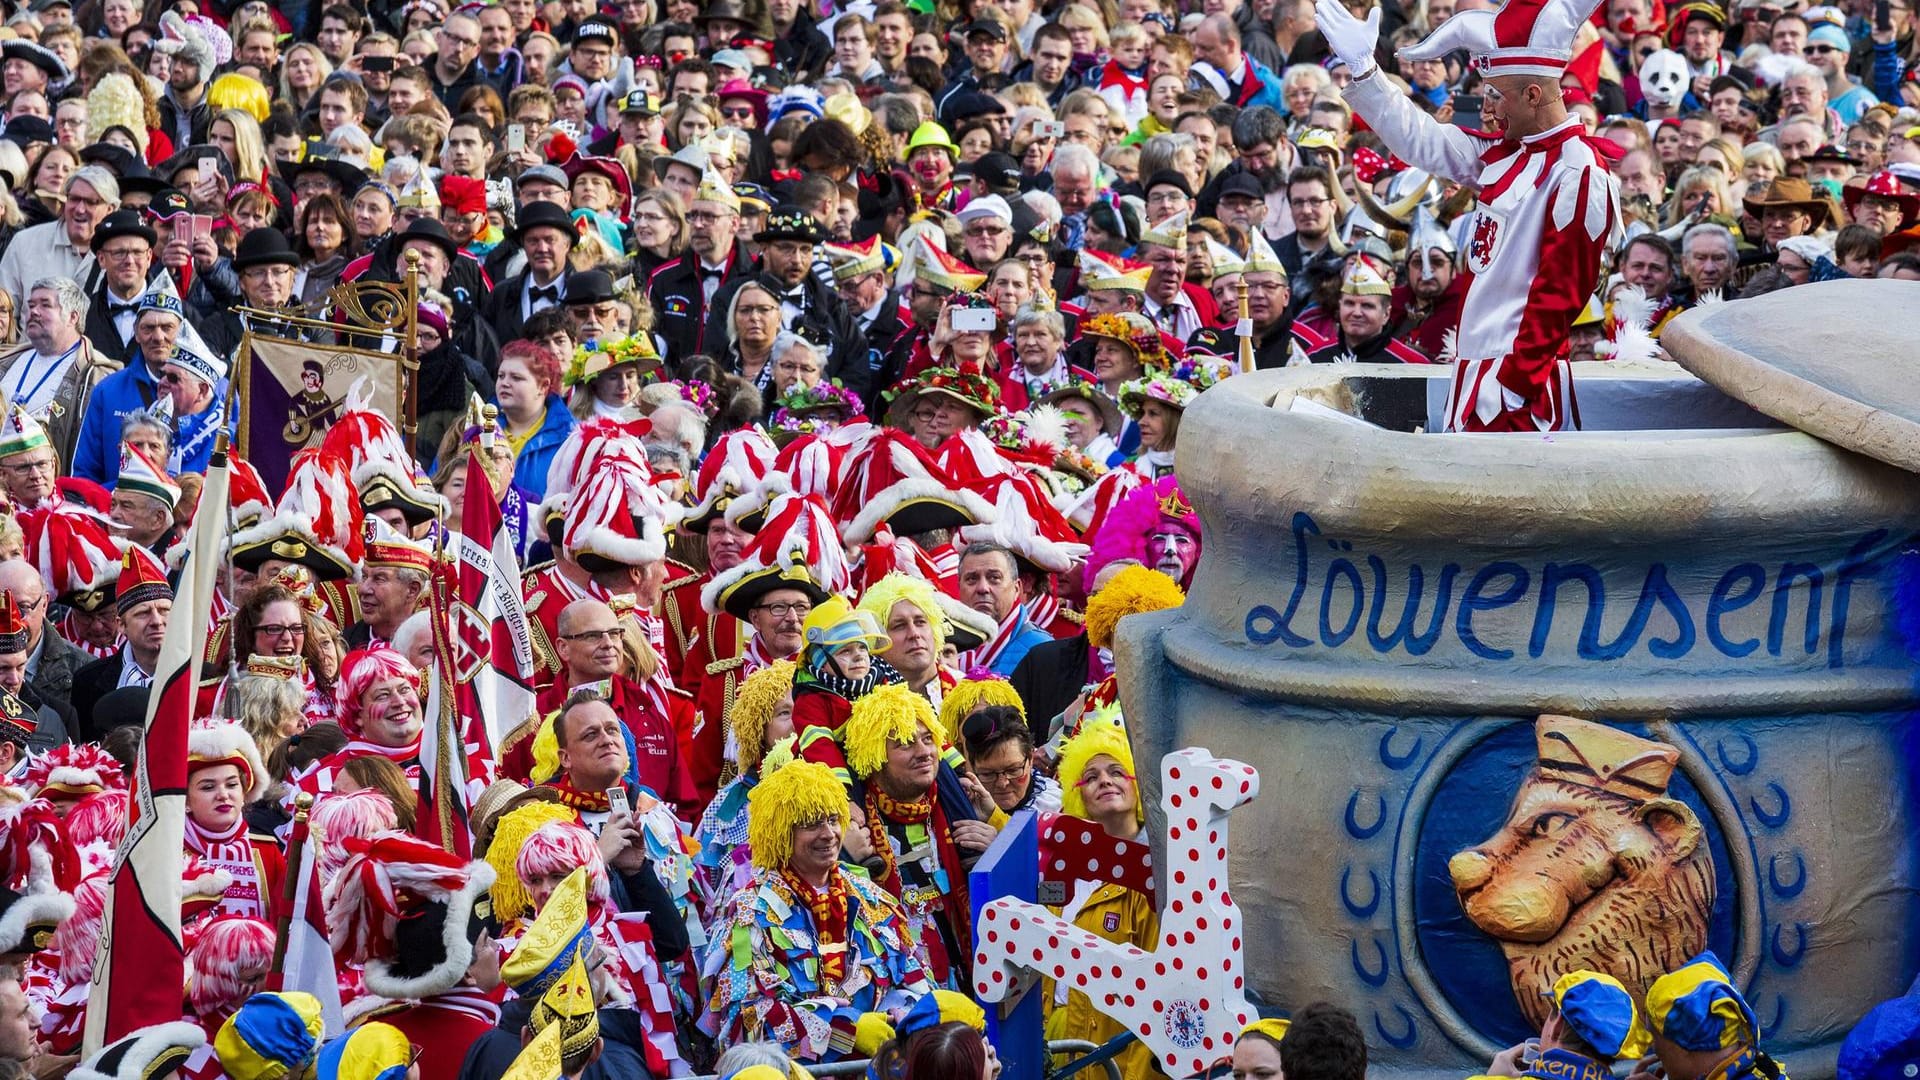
(308, 966)
(142, 963)
(482, 687)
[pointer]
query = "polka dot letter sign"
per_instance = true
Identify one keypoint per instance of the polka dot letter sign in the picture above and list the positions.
(1185, 1000)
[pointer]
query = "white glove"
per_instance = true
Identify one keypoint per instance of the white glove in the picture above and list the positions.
(1348, 38)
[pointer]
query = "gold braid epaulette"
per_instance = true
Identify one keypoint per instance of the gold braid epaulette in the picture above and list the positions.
(543, 650)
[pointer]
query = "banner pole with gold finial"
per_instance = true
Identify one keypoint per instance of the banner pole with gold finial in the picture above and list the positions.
(1245, 327)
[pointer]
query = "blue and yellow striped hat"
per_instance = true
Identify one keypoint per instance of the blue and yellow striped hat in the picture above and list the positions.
(1599, 1009)
(272, 1036)
(1698, 1008)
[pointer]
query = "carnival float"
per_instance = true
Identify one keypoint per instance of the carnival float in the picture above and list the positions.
(1524, 703)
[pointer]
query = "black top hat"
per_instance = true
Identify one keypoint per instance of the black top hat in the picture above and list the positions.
(264, 247)
(540, 213)
(430, 230)
(122, 223)
(790, 223)
(589, 287)
(24, 131)
(730, 10)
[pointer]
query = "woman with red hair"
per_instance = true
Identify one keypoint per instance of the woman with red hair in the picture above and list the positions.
(533, 415)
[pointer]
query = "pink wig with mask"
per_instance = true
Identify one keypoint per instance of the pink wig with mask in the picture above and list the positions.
(1124, 532)
(561, 848)
(362, 668)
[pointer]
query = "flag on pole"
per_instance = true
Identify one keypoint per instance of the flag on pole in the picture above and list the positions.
(142, 961)
(482, 682)
(493, 643)
(308, 966)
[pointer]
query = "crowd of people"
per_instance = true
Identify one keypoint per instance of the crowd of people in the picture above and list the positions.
(827, 362)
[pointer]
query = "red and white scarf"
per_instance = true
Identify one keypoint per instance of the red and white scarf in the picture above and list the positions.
(231, 851)
(98, 652)
(986, 655)
(757, 656)
(1042, 610)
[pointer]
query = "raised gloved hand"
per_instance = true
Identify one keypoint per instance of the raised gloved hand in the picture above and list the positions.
(1349, 39)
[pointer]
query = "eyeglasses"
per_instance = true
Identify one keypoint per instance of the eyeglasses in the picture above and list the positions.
(1303, 204)
(593, 635)
(122, 254)
(744, 112)
(463, 42)
(783, 611)
(1820, 50)
(1002, 777)
(26, 468)
(280, 630)
(988, 229)
(703, 217)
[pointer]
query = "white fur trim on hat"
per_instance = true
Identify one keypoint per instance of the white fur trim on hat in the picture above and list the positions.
(900, 493)
(447, 974)
(148, 1044)
(223, 741)
(51, 907)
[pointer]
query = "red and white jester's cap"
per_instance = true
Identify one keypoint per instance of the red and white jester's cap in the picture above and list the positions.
(1523, 37)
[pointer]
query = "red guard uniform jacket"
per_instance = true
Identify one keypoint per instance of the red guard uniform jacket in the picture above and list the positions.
(1548, 210)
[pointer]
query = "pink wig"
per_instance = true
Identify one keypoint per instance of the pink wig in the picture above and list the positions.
(562, 848)
(338, 817)
(1123, 535)
(227, 963)
(77, 941)
(362, 668)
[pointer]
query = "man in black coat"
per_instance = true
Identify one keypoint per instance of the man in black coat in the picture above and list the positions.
(123, 244)
(806, 306)
(860, 277)
(1048, 678)
(685, 289)
(265, 264)
(545, 233)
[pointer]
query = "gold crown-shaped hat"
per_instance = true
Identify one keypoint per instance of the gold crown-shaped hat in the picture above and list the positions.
(1607, 759)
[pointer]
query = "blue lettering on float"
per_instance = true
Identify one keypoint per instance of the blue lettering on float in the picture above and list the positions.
(1347, 599)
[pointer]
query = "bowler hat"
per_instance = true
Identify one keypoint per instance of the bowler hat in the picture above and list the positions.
(264, 246)
(431, 231)
(122, 223)
(589, 287)
(541, 213)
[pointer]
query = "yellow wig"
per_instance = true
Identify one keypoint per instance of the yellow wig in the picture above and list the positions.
(885, 716)
(510, 898)
(780, 754)
(546, 749)
(753, 706)
(970, 694)
(1094, 740)
(882, 595)
(1132, 591)
(796, 794)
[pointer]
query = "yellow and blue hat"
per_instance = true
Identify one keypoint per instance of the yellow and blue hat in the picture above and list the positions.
(272, 1036)
(833, 623)
(373, 1051)
(557, 937)
(1698, 1007)
(1600, 1010)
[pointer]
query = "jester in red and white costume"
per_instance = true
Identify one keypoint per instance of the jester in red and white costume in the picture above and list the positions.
(379, 695)
(1548, 212)
(224, 774)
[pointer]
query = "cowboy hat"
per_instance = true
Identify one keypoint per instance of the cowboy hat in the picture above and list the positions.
(1791, 191)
